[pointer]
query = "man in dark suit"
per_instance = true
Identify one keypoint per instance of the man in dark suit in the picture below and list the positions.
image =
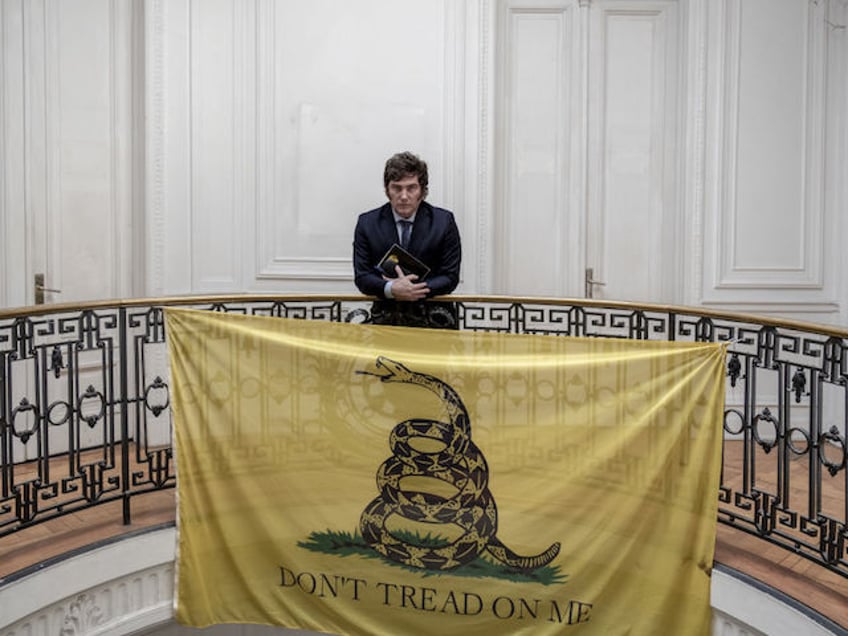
(433, 237)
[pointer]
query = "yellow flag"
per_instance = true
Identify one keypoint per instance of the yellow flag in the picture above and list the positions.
(358, 479)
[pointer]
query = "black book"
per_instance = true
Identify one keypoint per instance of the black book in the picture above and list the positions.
(409, 264)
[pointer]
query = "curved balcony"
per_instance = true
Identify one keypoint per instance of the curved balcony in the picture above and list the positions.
(86, 464)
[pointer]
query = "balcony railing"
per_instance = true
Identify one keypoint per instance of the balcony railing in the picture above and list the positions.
(85, 416)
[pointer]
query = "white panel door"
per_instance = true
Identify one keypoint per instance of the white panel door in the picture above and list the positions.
(589, 152)
(67, 135)
(633, 205)
(538, 247)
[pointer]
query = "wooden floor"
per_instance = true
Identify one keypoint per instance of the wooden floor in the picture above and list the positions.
(808, 583)
(59, 536)
(794, 575)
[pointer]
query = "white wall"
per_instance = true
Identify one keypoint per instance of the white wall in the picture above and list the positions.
(271, 124)
(775, 163)
(689, 151)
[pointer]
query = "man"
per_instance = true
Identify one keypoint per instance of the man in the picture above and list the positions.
(433, 238)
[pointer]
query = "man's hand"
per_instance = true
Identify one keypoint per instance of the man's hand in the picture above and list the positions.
(404, 286)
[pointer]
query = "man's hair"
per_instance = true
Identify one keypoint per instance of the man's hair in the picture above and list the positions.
(406, 164)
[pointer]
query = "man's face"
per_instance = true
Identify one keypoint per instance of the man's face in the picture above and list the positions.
(405, 194)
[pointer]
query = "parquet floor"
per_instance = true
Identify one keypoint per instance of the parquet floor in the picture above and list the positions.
(797, 577)
(794, 575)
(71, 532)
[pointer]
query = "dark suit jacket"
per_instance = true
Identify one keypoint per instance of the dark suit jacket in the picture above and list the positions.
(434, 240)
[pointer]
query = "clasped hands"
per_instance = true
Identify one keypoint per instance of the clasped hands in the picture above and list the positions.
(404, 286)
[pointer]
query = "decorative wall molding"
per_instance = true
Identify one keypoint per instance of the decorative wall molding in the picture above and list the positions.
(837, 20)
(693, 134)
(169, 218)
(808, 272)
(36, 184)
(486, 18)
(115, 589)
(579, 223)
(246, 140)
(220, 139)
(744, 607)
(465, 111)
(121, 252)
(5, 225)
(269, 186)
(262, 226)
(52, 185)
(154, 37)
(781, 278)
(286, 142)
(83, 616)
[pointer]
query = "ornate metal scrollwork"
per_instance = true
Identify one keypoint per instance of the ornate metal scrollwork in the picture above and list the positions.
(765, 512)
(25, 407)
(832, 438)
(734, 369)
(799, 384)
(833, 539)
(154, 389)
(766, 416)
(45, 411)
(91, 396)
(56, 361)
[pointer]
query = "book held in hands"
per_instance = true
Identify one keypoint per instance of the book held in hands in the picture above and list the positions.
(409, 264)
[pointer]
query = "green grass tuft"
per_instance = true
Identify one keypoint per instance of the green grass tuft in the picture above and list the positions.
(345, 544)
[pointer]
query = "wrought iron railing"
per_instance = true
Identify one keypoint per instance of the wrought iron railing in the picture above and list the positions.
(85, 417)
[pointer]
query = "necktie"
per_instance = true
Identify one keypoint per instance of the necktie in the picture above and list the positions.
(405, 230)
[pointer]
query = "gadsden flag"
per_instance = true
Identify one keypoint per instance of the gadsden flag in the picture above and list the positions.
(358, 479)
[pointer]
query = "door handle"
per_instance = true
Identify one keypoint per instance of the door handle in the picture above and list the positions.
(591, 282)
(40, 289)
